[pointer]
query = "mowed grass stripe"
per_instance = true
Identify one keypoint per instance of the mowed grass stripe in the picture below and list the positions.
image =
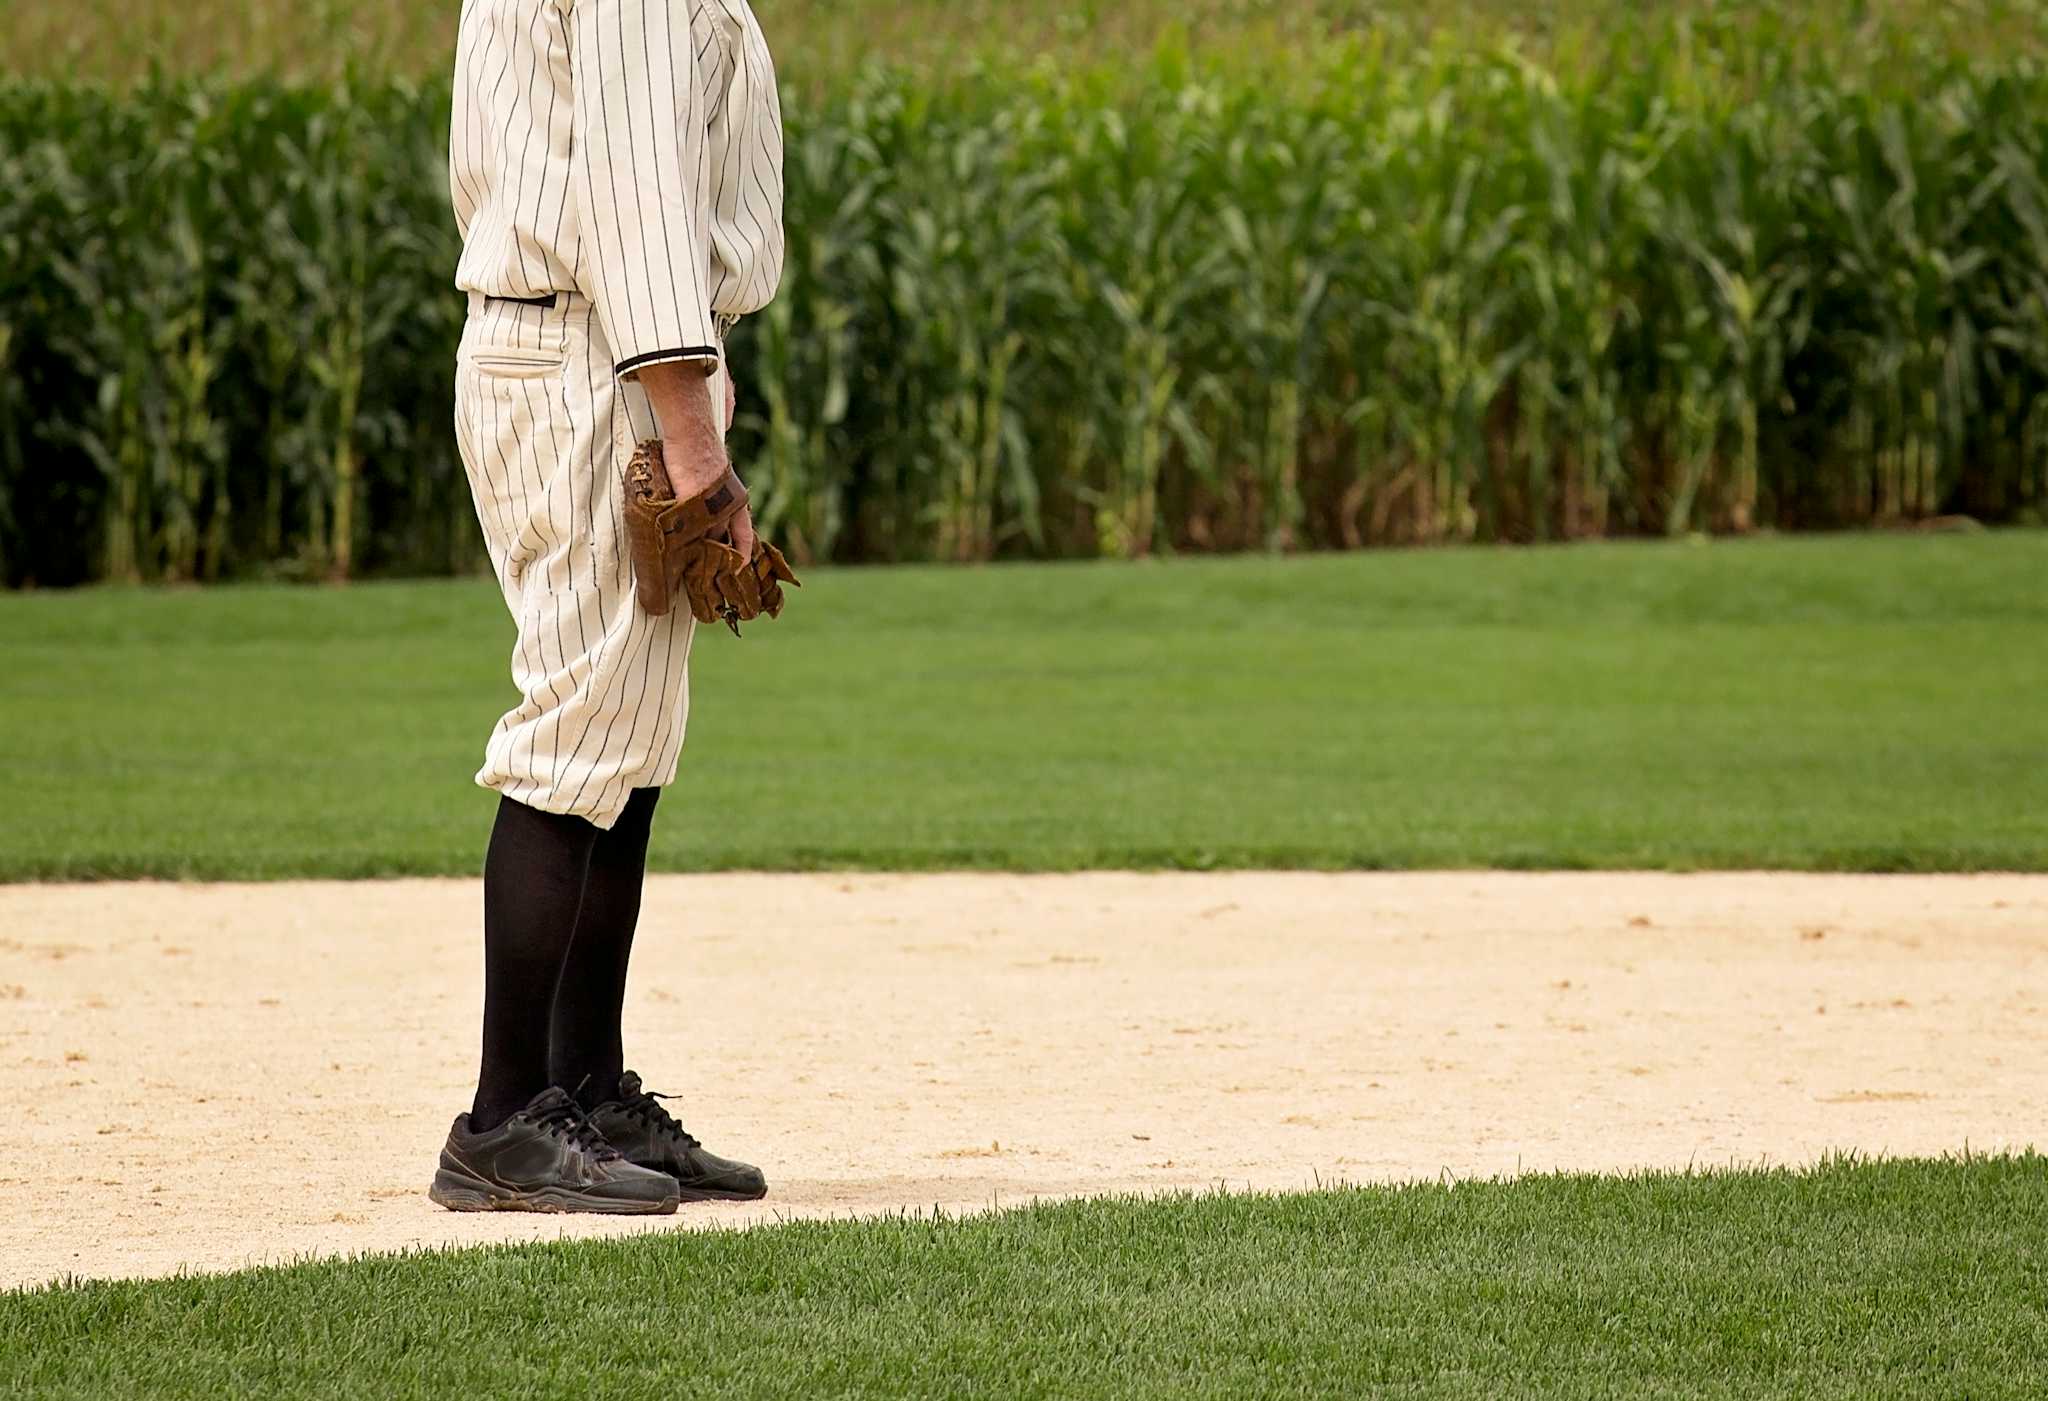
(1851, 1280)
(1821, 703)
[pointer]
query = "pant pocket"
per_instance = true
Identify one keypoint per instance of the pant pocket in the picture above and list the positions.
(529, 462)
(510, 362)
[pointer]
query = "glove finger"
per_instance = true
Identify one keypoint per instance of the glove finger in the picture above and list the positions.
(700, 583)
(774, 567)
(771, 571)
(742, 589)
(771, 597)
(728, 598)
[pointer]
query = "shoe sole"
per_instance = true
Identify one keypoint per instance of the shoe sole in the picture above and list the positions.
(458, 1192)
(715, 1194)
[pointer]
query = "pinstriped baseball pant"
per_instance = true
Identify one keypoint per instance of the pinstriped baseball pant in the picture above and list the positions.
(545, 432)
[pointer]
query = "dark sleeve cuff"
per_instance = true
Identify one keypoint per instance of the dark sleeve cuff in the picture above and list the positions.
(662, 357)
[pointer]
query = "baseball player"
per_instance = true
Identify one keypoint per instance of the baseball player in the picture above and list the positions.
(616, 170)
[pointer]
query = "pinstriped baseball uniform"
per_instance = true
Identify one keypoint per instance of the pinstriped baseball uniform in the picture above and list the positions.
(616, 167)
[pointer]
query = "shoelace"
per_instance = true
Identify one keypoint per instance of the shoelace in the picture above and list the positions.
(646, 1106)
(565, 1119)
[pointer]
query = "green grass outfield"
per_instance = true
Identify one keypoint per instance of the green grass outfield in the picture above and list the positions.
(1828, 703)
(1887, 1280)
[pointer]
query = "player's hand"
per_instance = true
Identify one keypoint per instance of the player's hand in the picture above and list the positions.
(686, 416)
(693, 466)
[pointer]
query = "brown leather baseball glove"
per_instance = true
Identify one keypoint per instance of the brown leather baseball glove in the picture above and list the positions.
(686, 547)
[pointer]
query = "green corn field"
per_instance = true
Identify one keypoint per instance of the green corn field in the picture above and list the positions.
(1711, 270)
(818, 40)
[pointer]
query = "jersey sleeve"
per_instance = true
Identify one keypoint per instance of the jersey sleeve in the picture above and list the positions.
(639, 171)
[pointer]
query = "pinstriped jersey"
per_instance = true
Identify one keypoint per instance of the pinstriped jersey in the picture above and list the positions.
(630, 150)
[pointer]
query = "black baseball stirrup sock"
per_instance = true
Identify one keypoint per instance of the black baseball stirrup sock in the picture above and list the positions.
(585, 1055)
(533, 887)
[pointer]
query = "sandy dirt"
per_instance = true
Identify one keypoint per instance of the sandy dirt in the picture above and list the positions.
(209, 1077)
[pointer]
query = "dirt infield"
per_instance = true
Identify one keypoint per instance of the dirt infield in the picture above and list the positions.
(208, 1077)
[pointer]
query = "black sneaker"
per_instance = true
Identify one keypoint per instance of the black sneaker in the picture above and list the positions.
(637, 1125)
(547, 1157)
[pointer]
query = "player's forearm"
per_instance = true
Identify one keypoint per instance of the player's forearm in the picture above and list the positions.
(691, 445)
